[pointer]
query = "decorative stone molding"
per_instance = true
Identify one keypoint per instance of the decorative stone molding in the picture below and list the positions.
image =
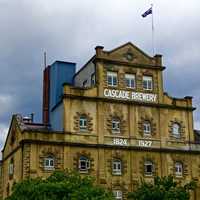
(182, 129)
(89, 121)
(87, 155)
(116, 115)
(152, 122)
(55, 152)
(117, 155)
(129, 55)
(181, 159)
(142, 162)
(26, 160)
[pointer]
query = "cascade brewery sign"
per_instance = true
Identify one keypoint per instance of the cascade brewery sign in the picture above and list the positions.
(128, 95)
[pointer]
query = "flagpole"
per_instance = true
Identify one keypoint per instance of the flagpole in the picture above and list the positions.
(152, 27)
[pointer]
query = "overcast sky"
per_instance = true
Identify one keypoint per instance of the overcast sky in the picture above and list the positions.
(70, 29)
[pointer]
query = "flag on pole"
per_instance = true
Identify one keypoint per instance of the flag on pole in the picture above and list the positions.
(148, 12)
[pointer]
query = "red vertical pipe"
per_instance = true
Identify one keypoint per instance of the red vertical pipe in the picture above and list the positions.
(46, 95)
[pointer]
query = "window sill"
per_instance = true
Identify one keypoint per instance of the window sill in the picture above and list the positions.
(120, 174)
(83, 171)
(112, 86)
(49, 168)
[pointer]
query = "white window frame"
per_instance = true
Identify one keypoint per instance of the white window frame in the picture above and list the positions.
(130, 81)
(147, 128)
(87, 164)
(117, 167)
(83, 121)
(93, 79)
(146, 164)
(176, 130)
(85, 83)
(118, 194)
(49, 163)
(116, 125)
(178, 169)
(147, 82)
(112, 79)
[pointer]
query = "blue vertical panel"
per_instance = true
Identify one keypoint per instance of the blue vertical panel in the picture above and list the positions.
(60, 72)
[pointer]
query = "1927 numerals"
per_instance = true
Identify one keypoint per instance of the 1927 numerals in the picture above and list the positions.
(145, 143)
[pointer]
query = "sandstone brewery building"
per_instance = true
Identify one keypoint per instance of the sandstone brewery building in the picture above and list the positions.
(112, 120)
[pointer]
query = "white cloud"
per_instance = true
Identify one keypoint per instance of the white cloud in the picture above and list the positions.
(3, 133)
(6, 103)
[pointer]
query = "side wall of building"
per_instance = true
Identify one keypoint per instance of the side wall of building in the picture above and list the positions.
(67, 157)
(85, 75)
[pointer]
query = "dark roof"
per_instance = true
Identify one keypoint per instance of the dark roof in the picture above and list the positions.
(29, 125)
(197, 136)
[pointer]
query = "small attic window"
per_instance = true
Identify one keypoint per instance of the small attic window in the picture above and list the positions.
(129, 56)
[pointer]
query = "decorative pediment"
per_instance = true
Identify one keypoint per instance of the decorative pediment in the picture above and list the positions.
(130, 53)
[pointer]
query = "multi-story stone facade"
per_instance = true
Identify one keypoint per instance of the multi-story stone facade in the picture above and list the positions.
(111, 120)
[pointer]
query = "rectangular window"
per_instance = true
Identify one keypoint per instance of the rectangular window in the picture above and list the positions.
(117, 167)
(147, 83)
(147, 128)
(148, 168)
(118, 194)
(115, 125)
(93, 79)
(130, 80)
(49, 163)
(83, 122)
(112, 79)
(84, 164)
(178, 169)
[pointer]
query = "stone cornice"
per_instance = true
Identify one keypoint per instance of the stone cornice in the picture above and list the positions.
(117, 62)
(157, 105)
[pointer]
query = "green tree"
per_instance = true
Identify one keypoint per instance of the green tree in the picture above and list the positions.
(62, 185)
(162, 189)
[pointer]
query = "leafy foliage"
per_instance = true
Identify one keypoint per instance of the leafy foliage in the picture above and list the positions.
(62, 185)
(162, 189)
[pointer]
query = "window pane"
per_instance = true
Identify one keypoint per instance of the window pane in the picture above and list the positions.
(147, 127)
(176, 130)
(117, 167)
(147, 83)
(112, 78)
(130, 80)
(84, 163)
(148, 167)
(115, 125)
(83, 122)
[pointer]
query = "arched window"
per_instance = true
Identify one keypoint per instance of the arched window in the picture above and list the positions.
(117, 167)
(176, 129)
(84, 164)
(147, 128)
(83, 123)
(115, 125)
(49, 163)
(178, 168)
(148, 168)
